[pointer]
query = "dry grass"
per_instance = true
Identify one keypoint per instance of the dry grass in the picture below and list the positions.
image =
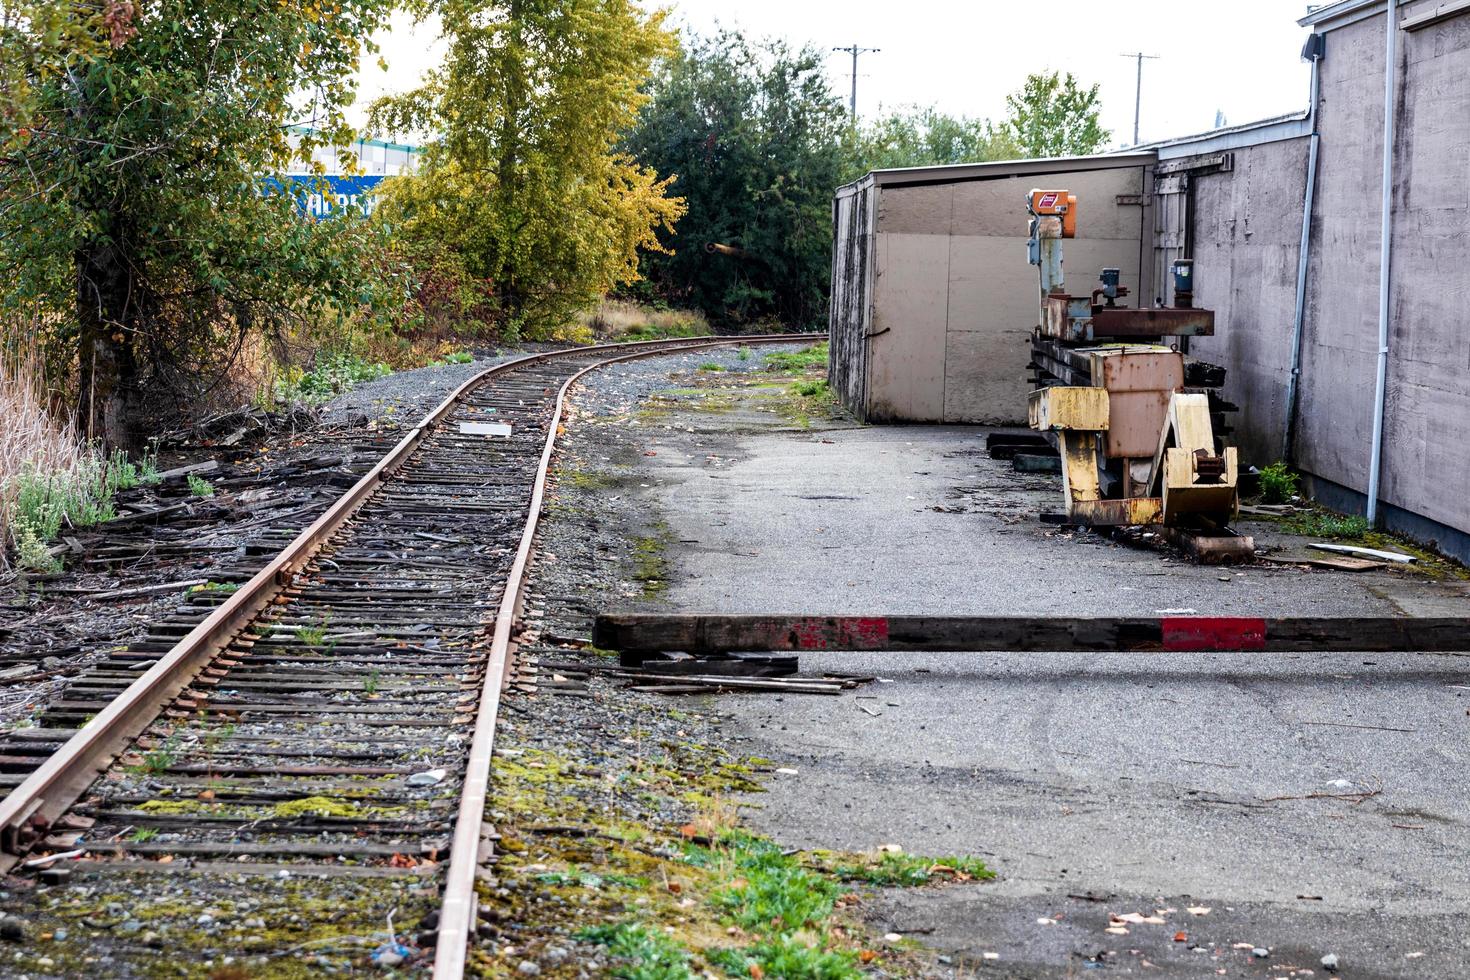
(615, 319)
(33, 439)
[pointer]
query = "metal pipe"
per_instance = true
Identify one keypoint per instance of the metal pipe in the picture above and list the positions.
(1304, 253)
(1385, 262)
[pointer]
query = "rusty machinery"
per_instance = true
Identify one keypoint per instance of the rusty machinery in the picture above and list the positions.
(1136, 423)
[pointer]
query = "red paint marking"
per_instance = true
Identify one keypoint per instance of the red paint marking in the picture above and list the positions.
(841, 633)
(1213, 633)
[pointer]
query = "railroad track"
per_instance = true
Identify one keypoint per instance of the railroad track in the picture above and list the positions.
(336, 712)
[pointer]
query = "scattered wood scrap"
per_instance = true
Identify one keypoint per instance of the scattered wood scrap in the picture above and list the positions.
(1351, 549)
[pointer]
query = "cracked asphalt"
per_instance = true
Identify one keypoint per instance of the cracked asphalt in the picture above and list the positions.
(1315, 804)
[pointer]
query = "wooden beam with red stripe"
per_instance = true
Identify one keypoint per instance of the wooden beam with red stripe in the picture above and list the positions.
(701, 634)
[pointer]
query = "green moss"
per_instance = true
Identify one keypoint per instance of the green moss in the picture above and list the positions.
(650, 567)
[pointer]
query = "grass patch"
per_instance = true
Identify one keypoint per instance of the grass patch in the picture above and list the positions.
(813, 389)
(200, 487)
(798, 361)
(615, 319)
(1327, 524)
(639, 952)
(710, 367)
(892, 870)
(789, 959)
(333, 373)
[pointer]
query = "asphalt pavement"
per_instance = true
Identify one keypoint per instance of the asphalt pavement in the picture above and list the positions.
(1314, 804)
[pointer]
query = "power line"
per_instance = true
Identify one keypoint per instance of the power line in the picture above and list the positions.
(1138, 92)
(855, 51)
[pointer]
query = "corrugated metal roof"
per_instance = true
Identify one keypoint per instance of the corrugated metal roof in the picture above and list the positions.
(1291, 126)
(955, 172)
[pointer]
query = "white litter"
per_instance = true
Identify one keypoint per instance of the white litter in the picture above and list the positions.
(484, 429)
(1349, 549)
(429, 778)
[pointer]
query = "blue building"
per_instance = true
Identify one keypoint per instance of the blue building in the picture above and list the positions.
(376, 161)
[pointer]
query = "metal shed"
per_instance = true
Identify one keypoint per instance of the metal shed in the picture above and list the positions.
(932, 297)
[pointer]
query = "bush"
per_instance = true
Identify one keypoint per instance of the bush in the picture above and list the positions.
(1278, 484)
(333, 373)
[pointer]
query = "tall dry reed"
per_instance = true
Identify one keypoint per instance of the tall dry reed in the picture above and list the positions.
(33, 439)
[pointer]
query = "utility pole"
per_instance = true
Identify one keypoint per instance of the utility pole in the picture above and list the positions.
(855, 51)
(1138, 92)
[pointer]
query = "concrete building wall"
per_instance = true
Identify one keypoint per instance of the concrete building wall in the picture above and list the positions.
(1426, 462)
(1246, 234)
(952, 300)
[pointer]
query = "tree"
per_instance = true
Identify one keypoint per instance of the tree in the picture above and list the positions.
(758, 142)
(524, 183)
(1052, 117)
(926, 138)
(133, 207)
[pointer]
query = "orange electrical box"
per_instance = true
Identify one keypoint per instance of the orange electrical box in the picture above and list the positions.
(1059, 204)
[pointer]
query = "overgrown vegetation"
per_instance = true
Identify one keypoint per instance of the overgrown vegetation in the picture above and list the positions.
(524, 193)
(1278, 483)
(137, 218)
(333, 373)
(1319, 523)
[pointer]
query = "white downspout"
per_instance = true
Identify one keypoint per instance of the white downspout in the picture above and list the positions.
(1390, 77)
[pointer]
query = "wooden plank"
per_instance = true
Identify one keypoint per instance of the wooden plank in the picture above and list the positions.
(708, 634)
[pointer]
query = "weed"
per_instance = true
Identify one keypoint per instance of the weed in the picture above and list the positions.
(1326, 524)
(772, 889)
(315, 635)
(643, 954)
(143, 835)
(743, 354)
(224, 588)
(333, 373)
(159, 758)
(910, 870)
(1278, 484)
(710, 367)
(199, 486)
(797, 361)
(370, 682)
(812, 389)
(789, 958)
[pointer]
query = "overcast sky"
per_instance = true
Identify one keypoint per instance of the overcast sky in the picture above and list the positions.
(1240, 57)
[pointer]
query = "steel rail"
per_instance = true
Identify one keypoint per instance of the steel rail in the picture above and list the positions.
(53, 787)
(457, 907)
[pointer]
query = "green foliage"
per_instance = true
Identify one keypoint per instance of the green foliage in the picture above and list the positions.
(78, 496)
(1051, 116)
(134, 151)
(159, 758)
(1326, 524)
(371, 682)
(770, 888)
(926, 138)
(910, 870)
(758, 142)
(316, 634)
(812, 388)
(458, 357)
(525, 187)
(1278, 483)
(144, 834)
(796, 361)
(790, 959)
(199, 486)
(334, 372)
(710, 367)
(640, 952)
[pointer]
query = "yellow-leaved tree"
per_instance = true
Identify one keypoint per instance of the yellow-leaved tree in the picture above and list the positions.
(520, 186)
